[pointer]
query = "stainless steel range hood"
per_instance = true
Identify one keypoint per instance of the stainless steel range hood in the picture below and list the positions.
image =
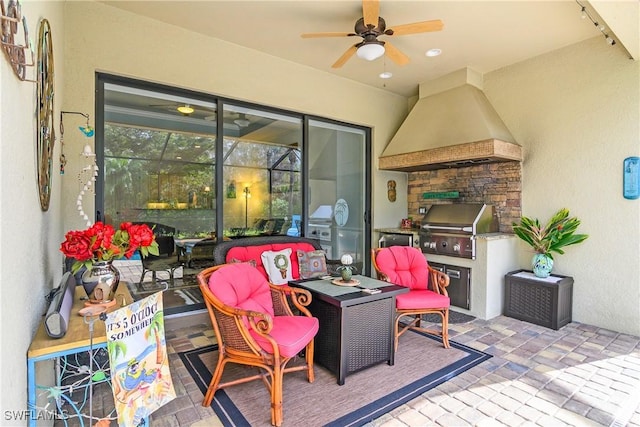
(452, 125)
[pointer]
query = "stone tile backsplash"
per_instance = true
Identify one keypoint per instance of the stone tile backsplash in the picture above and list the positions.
(497, 184)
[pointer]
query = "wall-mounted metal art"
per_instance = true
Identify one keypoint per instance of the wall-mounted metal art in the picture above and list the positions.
(20, 55)
(46, 136)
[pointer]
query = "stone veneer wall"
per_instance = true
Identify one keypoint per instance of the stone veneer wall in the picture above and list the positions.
(497, 184)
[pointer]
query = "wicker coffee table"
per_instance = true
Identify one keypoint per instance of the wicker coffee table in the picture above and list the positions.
(356, 328)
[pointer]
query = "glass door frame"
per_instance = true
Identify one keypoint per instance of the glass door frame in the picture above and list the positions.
(101, 78)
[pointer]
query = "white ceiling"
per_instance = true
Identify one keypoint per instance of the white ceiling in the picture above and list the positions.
(483, 35)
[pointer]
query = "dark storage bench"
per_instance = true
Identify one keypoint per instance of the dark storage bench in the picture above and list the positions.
(543, 301)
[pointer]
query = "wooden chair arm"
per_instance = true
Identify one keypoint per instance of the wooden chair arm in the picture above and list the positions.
(439, 281)
(259, 321)
(282, 294)
(383, 277)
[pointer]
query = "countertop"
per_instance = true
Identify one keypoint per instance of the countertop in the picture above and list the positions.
(486, 236)
(495, 236)
(398, 230)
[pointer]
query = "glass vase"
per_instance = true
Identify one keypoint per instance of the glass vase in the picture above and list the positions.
(101, 281)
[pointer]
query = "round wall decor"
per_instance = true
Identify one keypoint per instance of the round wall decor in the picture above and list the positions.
(45, 138)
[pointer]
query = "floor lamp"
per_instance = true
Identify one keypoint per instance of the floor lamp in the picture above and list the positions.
(247, 194)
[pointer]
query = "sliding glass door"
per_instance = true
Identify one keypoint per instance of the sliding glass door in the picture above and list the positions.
(262, 162)
(205, 167)
(338, 193)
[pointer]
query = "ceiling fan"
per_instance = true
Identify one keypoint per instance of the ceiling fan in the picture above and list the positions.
(369, 27)
(183, 108)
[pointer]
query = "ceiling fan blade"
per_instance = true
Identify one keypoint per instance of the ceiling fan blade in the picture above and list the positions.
(418, 27)
(345, 57)
(394, 54)
(317, 35)
(371, 12)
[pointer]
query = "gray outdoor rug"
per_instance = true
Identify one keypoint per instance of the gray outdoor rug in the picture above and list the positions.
(421, 363)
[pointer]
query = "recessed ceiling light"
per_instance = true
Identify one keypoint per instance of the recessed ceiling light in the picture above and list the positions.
(386, 75)
(433, 52)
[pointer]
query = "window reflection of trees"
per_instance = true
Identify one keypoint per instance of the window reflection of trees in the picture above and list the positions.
(147, 169)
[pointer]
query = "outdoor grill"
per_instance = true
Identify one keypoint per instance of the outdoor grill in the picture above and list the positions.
(452, 229)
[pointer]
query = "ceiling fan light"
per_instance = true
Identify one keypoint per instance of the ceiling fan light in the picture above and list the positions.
(185, 109)
(243, 123)
(433, 52)
(370, 51)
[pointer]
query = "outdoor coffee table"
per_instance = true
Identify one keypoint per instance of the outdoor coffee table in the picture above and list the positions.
(356, 328)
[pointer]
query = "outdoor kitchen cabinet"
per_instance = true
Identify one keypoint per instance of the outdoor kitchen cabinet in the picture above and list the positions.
(543, 301)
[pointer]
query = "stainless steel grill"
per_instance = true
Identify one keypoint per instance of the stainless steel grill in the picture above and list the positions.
(451, 229)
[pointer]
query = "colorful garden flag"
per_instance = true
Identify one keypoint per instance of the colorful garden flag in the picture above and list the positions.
(140, 376)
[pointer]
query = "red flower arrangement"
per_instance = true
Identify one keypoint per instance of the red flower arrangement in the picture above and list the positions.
(101, 242)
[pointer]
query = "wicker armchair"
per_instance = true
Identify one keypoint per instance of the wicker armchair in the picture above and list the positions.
(407, 266)
(257, 327)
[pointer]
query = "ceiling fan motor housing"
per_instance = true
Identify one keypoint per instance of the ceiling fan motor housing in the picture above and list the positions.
(363, 30)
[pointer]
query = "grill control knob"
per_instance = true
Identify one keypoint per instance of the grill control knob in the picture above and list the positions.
(456, 247)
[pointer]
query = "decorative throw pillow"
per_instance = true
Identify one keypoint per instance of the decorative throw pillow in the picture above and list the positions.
(312, 264)
(278, 266)
(251, 262)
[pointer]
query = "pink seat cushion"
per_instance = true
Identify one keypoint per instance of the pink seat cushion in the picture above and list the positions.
(421, 299)
(405, 266)
(241, 285)
(246, 253)
(291, 333)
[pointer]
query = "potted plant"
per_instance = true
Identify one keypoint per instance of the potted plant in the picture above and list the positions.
(556, 234)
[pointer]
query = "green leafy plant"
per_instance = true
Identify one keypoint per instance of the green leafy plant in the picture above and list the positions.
(556, 234)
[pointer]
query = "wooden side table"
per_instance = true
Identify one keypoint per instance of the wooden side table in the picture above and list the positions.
(76, 340)
(542, 301)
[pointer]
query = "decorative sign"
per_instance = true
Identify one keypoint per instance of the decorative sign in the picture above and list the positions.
(140, 375)
(441, 195)
(341, 212)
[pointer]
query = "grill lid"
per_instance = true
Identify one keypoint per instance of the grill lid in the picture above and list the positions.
(474, 218)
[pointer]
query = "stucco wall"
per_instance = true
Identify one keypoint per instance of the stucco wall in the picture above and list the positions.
(29, 238)
(103, 38)
(575, 112)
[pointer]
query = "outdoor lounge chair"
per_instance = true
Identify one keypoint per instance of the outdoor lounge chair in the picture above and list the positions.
(407, 266)
(255, 326)
(166, 261)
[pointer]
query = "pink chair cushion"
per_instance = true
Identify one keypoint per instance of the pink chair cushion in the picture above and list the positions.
(241, 285)
(421, 299)
(291, 333)
(405, 266)
(246, 253)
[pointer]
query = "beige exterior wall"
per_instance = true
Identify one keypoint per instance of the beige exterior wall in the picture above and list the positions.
(29, 238)
(574, 111)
